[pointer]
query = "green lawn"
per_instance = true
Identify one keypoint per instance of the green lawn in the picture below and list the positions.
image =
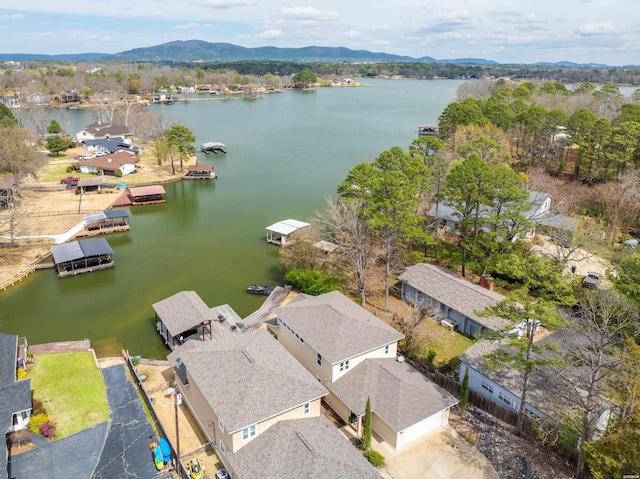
(447, 344)
(72, 389)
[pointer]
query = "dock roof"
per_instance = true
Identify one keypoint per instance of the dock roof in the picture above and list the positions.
(80, 249)
(107, 214)
(146, 190)
(286, 227)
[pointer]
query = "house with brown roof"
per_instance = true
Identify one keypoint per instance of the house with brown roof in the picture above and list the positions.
(260, 409)
(15, 395)
(110, 165)
(99, 130)
(353, 354)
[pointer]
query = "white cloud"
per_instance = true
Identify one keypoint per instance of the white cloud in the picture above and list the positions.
(309, 14)
(596, 29)
(15, 16)
(192, 26)
(225, 4)
(270, 34)
(353, 35)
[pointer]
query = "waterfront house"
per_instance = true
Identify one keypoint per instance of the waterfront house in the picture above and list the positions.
(110, 165)
(99, 130)
(15, 394)
(354, 355)
(82, 256)
(260, 409)
(279, 233)
(110, 145)
(450, 298)
(8, 191)
(185, 317)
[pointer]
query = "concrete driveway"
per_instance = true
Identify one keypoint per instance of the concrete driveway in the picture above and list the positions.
(442, 454)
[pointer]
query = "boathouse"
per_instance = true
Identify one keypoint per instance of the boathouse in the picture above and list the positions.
(147, 195)
(87, 185)
(83, 256)
(213, 147)
(200, 172)
(185, 317)
(428, 130)
(107, 221)
(279, 233)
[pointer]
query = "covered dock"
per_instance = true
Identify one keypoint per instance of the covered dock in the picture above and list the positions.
(83, 256)
(86, 185)
(213, 147)
(185, 316)
(200, 172)
(105, 222)
(147, 195)
(279, 233)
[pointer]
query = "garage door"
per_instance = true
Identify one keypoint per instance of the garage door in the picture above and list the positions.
(419, 429)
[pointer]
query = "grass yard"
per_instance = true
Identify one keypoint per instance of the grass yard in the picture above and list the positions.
(72, 389)
(447, 344)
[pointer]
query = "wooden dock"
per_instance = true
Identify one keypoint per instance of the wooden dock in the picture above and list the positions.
(98, 231)
(61, 346)
(17, 278)
(90, 269)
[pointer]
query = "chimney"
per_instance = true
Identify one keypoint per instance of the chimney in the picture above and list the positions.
(485, 282)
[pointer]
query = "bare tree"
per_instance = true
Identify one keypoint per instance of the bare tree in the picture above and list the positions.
(342, 223)
(603, 320)
(17, 156)
(12, 221)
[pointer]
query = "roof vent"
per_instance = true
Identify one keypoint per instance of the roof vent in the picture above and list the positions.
(221, 317)
(400, 359)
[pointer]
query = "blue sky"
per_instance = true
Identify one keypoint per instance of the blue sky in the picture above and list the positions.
(600, 31)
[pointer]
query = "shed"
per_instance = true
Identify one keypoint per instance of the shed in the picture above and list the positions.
(82, 256)
(86, 185)
(145, 195)
(278, 233)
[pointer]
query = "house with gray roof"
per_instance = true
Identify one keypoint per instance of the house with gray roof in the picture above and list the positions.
(100, 130)
(15, 395)
(186, 317)
(353, 353)
(451, 298)
(260, 409)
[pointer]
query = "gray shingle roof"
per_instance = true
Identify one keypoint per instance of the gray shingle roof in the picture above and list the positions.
(186, 310)
(457, 293)
(15, 395)
(309, 448)
(248, 378)
(336, 327)
(400, 395)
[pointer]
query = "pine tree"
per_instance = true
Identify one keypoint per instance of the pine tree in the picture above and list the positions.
(366, 432)
(464, 391)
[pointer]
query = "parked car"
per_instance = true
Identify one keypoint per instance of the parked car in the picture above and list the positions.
(592, 280)
(69, 179)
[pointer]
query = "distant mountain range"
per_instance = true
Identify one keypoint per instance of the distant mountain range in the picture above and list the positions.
(198, 50)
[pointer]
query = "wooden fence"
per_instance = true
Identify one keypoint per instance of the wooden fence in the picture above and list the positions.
(530, 428)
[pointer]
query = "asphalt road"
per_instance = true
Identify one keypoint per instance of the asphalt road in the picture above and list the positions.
(118, 449)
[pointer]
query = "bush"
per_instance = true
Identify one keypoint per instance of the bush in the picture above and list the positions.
(375, 458)
(48, 430)
(361, 444)
(21, 374)
(431, 355)
(313, 282)
(69, 169)
(36, 421)
(37, 407)
(118, 173)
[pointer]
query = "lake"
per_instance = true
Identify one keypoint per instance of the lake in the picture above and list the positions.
(287, 152)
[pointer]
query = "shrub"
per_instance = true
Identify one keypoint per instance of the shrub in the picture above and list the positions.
(36, 421)
(375, 458)
(48, 430)
(69, 169)
(360, 444)
(37, 407)
(21, 374)
(431, 355)
(118, 173)
(313, 282)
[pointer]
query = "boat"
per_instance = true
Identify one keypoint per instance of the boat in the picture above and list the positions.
(213, 147)
(264, 289)
(166, 450)
(195, 469)
(157, 455)
(428, 130)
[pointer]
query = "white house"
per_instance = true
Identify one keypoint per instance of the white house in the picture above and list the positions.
(354, 355)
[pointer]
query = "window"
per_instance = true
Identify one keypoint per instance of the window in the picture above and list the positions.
(318, 359)
(248, 432)
(301, 339)
(220, 425)
(221, 446)
(503, 397)
(386, 349)
(344, 365)
(306, 408)
(487, 386)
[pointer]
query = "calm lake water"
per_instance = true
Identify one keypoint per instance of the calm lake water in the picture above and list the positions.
(287, 152)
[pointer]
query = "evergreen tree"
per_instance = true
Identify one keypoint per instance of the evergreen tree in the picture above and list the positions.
(464, 391)
(365, 441)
